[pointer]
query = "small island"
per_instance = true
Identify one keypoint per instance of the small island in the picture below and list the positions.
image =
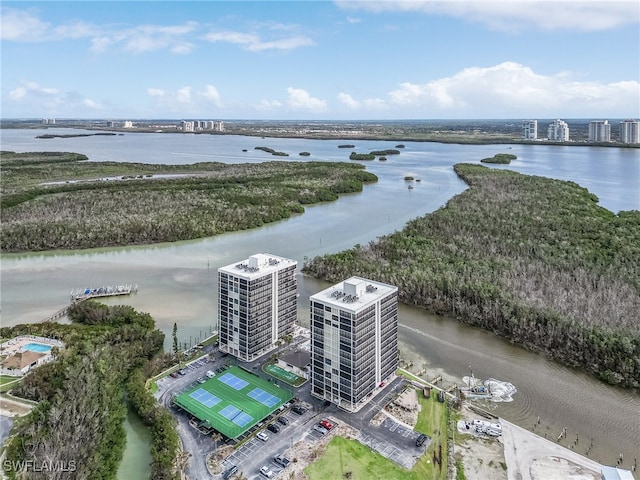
(272, 151)
(500, 158)
(74, 135)
(377, 153)
(346, 146)
(361, 156)
(304, 154)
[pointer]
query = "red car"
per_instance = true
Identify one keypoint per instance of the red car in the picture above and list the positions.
(326, 424)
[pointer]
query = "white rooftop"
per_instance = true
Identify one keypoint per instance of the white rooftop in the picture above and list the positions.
(354, 293)
(257, 265)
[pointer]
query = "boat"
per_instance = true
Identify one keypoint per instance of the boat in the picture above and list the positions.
(410, 187)
(474, 389)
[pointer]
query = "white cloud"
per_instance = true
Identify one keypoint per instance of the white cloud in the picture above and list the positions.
(183, 48)
(210, 94)
(30, 90)
(268, 105)
(353, 20)
(300, 99)
(254, 43)
(91, 104)
(31, 96)
(515, 15)
(22, 26)
(511, 90)
(183, 95)
(186, 99)
(147, 38)
(156, 92)
(348, 101)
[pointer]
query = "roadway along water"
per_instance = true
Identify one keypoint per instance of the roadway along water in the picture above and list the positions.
(177, 282)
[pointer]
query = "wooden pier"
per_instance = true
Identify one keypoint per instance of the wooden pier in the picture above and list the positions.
(84, 294)
(78, 296)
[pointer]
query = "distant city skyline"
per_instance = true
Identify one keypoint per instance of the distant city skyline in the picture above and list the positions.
(341, 60)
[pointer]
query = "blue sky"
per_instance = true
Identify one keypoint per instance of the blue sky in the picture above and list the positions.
(316, 60)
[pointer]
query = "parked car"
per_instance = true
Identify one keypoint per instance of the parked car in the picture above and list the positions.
(283, 420)
(326, 424)
(298, 409)
(420, 440)
(173, 375)
(182, 371)
(272, 427)
(320, 429)
(262, 436)
(229, 472)
(266, 471)
(282, 460)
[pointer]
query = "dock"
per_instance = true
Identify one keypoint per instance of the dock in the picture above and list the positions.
(86, 293)
(81, 295)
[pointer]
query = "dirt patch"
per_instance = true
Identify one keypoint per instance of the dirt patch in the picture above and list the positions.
(405, 407)
(554, 467)
(215, 459)
(10, 408)
(482, 457)
(304, 453)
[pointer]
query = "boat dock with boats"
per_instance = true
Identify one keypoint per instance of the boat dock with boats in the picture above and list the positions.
(83, 294)
(87, 293)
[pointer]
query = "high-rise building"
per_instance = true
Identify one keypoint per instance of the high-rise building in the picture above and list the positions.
(558, 131)
(529, 129)
(354, 340)
(630, 131)
(187, 126)
(599, 131)
(257, 304)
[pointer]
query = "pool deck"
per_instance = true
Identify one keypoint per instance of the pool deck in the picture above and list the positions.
(17, 344)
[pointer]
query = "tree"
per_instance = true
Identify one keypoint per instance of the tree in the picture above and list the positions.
(175, 339)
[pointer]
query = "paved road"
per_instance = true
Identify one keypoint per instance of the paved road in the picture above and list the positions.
(525, 453)
(391, 439)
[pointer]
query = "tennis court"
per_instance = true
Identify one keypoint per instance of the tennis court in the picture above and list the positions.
(284, 375)
(233, 401)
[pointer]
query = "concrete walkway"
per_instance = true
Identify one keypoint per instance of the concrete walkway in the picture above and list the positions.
(531, 457)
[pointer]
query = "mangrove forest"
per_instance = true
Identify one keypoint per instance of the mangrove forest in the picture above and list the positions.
(532, 259)
(62, 201)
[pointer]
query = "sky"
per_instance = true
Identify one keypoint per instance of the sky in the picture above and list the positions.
(320, 60)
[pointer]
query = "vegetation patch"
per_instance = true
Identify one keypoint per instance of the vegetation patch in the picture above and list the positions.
(79, 208)
(78, 422)
(377, 153)
(361, 156)
(349, 459)
(500, 158)
(532, 259)
(272, 151)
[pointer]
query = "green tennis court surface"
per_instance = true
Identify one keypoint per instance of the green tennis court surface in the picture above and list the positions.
(284, 375)
(233, 401)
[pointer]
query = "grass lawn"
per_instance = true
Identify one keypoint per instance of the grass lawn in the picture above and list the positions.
(7, 382)
(350, 459)
(345, 456)
(433, 420)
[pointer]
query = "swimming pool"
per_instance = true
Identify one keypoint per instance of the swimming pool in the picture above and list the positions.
(37, 347)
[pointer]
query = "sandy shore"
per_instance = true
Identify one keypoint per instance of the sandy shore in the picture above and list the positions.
(517, 454)
(531, 457)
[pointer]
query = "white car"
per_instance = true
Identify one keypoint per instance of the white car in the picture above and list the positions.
(264, 470)
(320, 429)
(262, 436)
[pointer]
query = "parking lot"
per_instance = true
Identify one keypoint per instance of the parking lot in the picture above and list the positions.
(391, 438)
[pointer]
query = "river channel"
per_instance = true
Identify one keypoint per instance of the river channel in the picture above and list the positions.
(177, 282)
